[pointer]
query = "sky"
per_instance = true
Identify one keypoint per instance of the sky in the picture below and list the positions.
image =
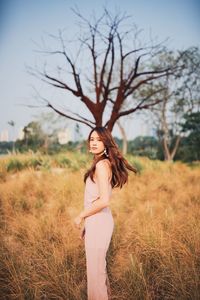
(24, 24)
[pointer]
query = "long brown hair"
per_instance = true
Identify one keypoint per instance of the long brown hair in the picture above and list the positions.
(119, 164)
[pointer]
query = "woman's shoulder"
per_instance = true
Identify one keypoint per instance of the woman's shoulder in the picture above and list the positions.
(106, 165)
(103, 162)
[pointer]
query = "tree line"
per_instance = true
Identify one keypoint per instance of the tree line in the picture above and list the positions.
(42, 136)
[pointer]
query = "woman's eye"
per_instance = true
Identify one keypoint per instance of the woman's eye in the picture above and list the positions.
(96, 140)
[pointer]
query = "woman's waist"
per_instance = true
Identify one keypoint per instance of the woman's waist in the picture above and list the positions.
(104, 211)
(89, 205)
(103, 215)
(92, 198)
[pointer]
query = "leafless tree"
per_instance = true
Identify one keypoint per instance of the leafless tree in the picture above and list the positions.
(108, 69)
(180, 96)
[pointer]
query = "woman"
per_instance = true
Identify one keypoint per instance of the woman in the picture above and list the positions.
(108, 170)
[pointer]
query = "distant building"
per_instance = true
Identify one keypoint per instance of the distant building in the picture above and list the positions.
(21, 134)
(4, 137)
(64, 136)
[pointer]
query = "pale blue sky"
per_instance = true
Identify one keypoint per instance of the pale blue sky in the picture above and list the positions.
(23, 22)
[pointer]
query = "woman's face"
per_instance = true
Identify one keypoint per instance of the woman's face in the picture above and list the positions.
(95, 143)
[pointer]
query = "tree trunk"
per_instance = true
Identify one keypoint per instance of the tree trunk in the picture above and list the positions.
(164, 126)
(173, 153)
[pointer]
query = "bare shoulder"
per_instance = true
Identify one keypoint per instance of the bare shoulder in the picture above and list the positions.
(104, 166)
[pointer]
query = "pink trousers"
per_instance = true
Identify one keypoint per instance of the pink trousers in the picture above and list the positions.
(98, 233)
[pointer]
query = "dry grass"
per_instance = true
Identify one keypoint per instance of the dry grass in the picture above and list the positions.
(154, 252)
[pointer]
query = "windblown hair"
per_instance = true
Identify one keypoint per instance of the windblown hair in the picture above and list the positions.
(119, 164)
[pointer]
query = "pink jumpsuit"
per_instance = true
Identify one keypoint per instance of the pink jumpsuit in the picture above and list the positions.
(98, 232)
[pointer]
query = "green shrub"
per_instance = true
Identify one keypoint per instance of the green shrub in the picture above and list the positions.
(15, 165)
(62, 161)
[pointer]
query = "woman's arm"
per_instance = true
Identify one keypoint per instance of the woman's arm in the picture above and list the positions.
(102, 179)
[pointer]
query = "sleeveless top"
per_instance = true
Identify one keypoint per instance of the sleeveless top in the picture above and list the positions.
(92, 192)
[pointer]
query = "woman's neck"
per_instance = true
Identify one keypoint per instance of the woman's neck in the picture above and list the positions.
(99, 154)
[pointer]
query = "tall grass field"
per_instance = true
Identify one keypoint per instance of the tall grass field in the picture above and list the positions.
(155, 247)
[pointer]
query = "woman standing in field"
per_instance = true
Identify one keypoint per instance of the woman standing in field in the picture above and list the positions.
(108, 170)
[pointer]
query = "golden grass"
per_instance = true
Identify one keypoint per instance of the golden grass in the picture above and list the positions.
(154, 252)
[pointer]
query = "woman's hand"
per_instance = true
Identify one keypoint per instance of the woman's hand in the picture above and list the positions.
(82, 234)
(77, 221)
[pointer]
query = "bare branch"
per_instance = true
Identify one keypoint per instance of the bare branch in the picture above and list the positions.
(106, 88)
(67, 116)
(87, 120)
(142, 82)
(102, 73)
(139, 107)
